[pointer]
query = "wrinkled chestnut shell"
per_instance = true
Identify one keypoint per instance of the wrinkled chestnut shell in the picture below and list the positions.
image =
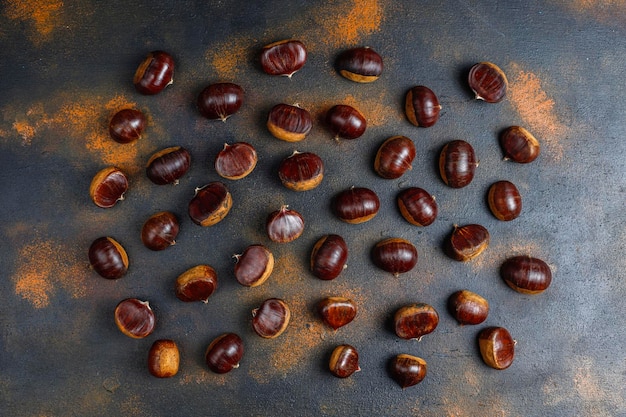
(415, 321)
(329, 257)
(168, 165)
(164, 358)
(336, 312)
(289, 123)
(210, 204)
(417, 206)
(154, 73)
(356, 205)
(361, 65)
(497, 347)
(394, 157)
(344, 361)
(271, 319)
(236, 161)
(220, 101)
(224, 353)
(196, 284)
(284, 225)
(302, 171)
(254, 265)
(134, 318)
(422, 106)
(505, 201)
(345, 122)
(108, 187)
(467, 242)
(160, 230)
(457, 163)
(488, 82)
(284, 57)
(108, 258)
(127, 125)
(519, 145)
(407, 370)
(468, 307)
(395, 255)
(526, 274)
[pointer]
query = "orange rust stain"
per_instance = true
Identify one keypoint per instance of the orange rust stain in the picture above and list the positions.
(345, 24)
(44, 15)
(228, 57)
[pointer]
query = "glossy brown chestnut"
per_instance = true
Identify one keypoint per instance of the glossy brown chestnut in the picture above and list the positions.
(160, 230)
(108, 187)
(345, 122)
(497, 347)
(301, 171)
(236, 161)
(164, 358)
(336, 312)
(526, 274)
(488, 82)
(394, 157)
(467, 307)
(519, 145)
(210, 204)
(361, 65)
(168, 165)
(224, 353)
(271, 319)
(344, 361)
(154, 73)
(414, 321)
(127, 125)
(289, 123)
(284, 57)
(329, 257)
(356, 205)
(196, 284)
(254, 265)
(134, 318)
(457, 163)
(407, 370)
(417, 206)
(467, 242)
(108, 258)
(284, 225)
(422, 106)
(220, 101)
(505, 201)
(395, 255)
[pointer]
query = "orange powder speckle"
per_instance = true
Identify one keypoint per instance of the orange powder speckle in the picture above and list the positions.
(374, 109)
(43, 14)
(347, 24)
(26, 131)
(227, 58)
(612, 11)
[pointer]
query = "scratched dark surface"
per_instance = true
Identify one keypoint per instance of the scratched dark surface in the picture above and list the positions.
(67, 66)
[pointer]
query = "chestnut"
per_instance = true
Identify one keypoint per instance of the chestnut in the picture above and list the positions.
(196, 284)
(394, 157)
(289, 123)
(224, 353)
(284, 57)
(505, 201)
(519, 145)
(236, 161)
(467, 242)
(210, 204)
(220, 101)
(302, 171)
(414, 321)
(395, 255)
(497, 347)
(488, 82)
(345, 122)
(160, 230)
(254, 265)
(164, 358)
(407, 370)
(108, 258)
(329, 257)
(271, 319)
(361, 64)
(168, 165)
(127, 125)
(284, 225)
(154, 73)
(356, 205)
(417, 206)
(336, 312)
(526, 274)
(467, 307)
(134, 318)
(108, 187)
(457, 163)
(344, 361)
(422, 106)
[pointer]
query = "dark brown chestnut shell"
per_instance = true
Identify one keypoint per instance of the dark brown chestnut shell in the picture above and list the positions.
(505, 201)
(108, 187)
(271, 318)
(301, 171)
(467, 242)
(154, 73)
(346, 122)
(219, 101)
(134, 318)
(467, 307)
(417, 206)
(519, 145)
(290, 123)
(407, 370)
(415, 321)
(108, 258)
(210, 204)
(329, 257)
(422, 106)
(360, 64)
(254, 266)
(168, 165)
(284, 225)
(497, 347)
(284, 57)
(395, 255)
(344, 361)
(336, 312)
(224, 353)
(526, 274)
(488, 82)
(236, 161)
(356, 205)
(127, 125)
(394, 157)
(196, 284)
(160, 231)
(457, 163)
